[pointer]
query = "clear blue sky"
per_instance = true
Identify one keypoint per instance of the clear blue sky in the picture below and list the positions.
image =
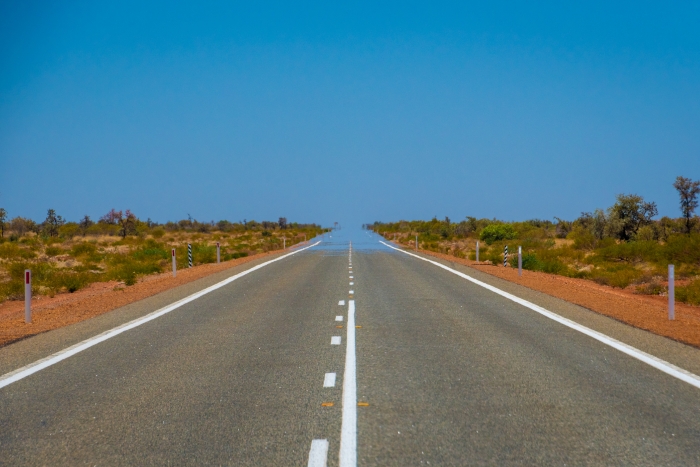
(357, 112)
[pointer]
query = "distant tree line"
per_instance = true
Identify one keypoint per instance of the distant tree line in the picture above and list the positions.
(630, 218)
(125, 223)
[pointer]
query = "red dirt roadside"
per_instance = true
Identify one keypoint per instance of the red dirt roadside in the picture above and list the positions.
(641, 311)
(98, 298)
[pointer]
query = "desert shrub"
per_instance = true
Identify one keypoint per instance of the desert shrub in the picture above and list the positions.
(83, 248)
(151, 251)
(583, 239)
(690, 293)
(69, 230)
(12, 251)
(495, 232)
(494, 255)
(540, 262)
(236, 255)
(202, 254)
(125, 268)
(531, 262)
(631, 252)
(619, 276)
(72, 281)
(683, 249)
(652, 288)
(54, 251)
(158, 233)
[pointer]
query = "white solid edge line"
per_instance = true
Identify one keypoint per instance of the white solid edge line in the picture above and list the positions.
(39, 365)
(659, 364)
(318, 454)
(329, 380)
(335, 340)
(348, 430)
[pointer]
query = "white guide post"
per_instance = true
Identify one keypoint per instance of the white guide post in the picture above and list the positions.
(520, 261)
(477, 251)
(218, 252)
(27, 296)
(172, 253)
(671, 294)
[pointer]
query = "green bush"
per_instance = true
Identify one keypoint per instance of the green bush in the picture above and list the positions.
(73, 281)
(495, 232)
(620, 276)
(653, 288)
(53, 251)
(12, 251)
(690, 293)
(83, 248)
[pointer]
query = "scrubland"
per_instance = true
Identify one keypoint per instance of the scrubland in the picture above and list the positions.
(611, 248)
(69, 256)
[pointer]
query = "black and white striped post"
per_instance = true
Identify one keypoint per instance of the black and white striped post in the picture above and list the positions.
(189, 254)
(27, 296)
(505, 256)
(477, 252)
(172, 253)
(218, 252)
(520, 261)
(671, 294)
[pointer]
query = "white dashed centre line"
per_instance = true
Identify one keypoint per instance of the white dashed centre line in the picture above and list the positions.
(318, 453)
(329, 380)
(352, 283)
(348, 431)
(338, 318)
(341, 303)
(335, 340)
(352, 292)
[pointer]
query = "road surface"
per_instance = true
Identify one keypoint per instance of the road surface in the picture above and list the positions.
(264, 371)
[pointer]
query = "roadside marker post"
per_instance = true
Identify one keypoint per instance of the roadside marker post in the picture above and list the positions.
(189, 254)
(284, 243)
(416, 242)
(218, 252)
(172, 253)
(520, 261)
(671, 294)
(477, 251)
(27, 296)
(505, 256)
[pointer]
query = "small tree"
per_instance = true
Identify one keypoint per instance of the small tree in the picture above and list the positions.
(629, 214)
(52, 223)
(127, 223)
(3, 218)
(85, 224)
(283, 222)
(112, 217)
(688, 191)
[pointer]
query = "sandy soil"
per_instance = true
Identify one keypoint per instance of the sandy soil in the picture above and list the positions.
(100, 297)
(641, 311)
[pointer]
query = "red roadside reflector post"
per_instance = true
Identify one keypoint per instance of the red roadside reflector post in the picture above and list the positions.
(174, 263)
(27, 296)
(218, 252)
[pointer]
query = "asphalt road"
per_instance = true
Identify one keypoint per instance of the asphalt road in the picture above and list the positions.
(447, 373)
